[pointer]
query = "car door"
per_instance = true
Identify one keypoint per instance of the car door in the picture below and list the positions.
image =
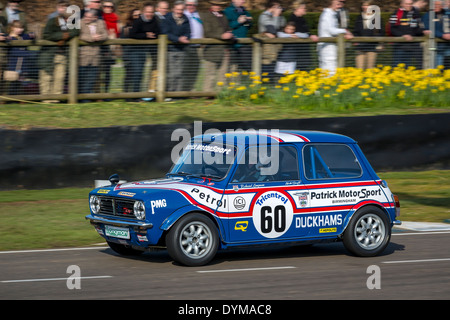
(262, 204)
(335, 182)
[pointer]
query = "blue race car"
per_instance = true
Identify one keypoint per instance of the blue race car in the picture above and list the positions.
(251, 188)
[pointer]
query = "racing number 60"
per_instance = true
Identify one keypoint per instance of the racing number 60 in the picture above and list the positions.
(276, 221)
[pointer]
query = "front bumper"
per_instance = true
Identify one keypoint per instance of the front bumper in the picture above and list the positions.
(137, 226)
(141, 234)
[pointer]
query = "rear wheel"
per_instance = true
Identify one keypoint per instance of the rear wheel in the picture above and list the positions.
(193, 240)
(368, 233)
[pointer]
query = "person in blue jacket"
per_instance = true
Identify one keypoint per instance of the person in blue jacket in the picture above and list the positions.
(18, 57)
(442, 30)
(240, 21)
(176, 26)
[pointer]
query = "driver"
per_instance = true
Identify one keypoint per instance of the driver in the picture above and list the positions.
(251, 172)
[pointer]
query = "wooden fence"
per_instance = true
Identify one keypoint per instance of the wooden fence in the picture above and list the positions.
(72, 96)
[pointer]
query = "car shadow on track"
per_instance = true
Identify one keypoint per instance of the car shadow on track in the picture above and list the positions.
(261, 253)
(293, 251)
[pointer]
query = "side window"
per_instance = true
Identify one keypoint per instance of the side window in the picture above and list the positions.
(279, 168)
(330, 161)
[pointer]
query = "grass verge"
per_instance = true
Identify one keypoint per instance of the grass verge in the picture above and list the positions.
(120, 113)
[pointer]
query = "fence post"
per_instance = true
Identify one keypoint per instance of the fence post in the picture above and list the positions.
(256, 57)
(73, 70)
(428, 47)
(341, 50)
(162, 68)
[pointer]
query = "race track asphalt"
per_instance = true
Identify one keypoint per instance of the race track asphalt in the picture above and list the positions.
(415, 265)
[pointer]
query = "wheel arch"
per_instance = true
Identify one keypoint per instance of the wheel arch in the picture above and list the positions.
(178, 214)
(359, 206)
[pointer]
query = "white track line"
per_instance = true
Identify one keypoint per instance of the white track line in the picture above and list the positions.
(52, 250)
(247, 269)
(54, 279)
(416, 261)
(418, 233)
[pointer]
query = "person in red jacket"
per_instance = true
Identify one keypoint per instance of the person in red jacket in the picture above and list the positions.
(406, 22)
(109, 53)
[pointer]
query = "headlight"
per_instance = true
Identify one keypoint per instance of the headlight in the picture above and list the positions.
(94, 203)
(139, 210)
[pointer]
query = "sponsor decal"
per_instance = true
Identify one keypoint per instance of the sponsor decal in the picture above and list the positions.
(272, 214)
(141, 238)
(161, 203)
(126, 194)
(269, 195)
(239, 203)
(103, 191)
(208, 198)
(345, 193)
(327, 230)
(208, 148)
(319, 221)
(302, 198)
(241, 225)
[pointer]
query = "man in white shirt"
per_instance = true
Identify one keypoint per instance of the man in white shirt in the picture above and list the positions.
(193, 54)
(328, 27)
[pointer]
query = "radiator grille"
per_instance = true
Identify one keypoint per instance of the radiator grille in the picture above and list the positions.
(117, 207)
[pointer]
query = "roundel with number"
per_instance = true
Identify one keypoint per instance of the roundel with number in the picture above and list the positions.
(272, 214)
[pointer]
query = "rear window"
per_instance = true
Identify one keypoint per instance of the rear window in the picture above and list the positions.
(330, 161)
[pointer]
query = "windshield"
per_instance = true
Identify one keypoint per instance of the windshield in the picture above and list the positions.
(207, 160)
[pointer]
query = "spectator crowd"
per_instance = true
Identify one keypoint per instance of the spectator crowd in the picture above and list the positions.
(181, 22)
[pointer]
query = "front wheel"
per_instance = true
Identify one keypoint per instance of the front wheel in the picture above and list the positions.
(193, 240)
(368, 233)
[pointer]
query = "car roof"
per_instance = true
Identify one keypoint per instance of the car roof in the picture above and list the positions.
(250, 137)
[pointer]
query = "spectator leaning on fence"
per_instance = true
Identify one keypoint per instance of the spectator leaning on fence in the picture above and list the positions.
(127, 50)
(287, 57)
(92, 30)
(176, 26)
(328, 27)
(271, 20)
(109, 54)
(146, 27)
(18, 58)
(92, 5)
(406, 22)
(216, 57)
(61, 7)
(240, 21)
(343, 15)
(12, 13)
(269, 23)
(442, 30)
(52, 60)
(162, 8)
(366, 52)
(304, 56)
(3, 51)
(193, 53)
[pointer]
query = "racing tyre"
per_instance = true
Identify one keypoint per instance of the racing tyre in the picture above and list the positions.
(123, 250)
(368, 232)
(193, 240)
